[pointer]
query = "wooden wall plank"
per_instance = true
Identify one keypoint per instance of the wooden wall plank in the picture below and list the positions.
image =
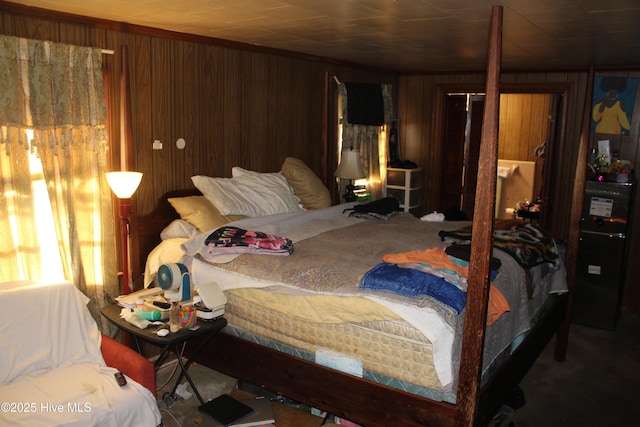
(232, 106)
(190, 124)
(212, 115)
(7, 23)
(275, 129)
(523, 125)
(176, 108)
(257, 113)
(159, 74)
(141, 101)
(40, 29)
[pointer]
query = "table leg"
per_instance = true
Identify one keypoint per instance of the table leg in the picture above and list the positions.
(185, 374)
(162, 356)
(184, 367)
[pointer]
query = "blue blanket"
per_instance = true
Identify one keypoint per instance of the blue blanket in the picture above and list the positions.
(409, 282)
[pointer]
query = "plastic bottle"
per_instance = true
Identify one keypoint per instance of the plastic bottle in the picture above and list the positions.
(174, 317)
(151, 316)
(593, 157)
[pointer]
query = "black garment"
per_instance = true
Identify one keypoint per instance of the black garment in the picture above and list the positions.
(382, 206)
(365, 104)
(463, 252)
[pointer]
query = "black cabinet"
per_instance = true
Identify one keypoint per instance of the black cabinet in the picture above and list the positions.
(602, 253)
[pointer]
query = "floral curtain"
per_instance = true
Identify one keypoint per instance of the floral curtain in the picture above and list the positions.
(52, 106)
(368, 140)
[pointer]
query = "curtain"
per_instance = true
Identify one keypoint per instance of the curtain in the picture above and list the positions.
(52, 107)
(367, 139)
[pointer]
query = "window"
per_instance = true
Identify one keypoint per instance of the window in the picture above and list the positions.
(46, 243)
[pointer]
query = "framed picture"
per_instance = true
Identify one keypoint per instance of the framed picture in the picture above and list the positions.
(613, 101)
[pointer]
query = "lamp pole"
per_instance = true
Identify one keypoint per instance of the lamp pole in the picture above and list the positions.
(125, 210)
(124, 184)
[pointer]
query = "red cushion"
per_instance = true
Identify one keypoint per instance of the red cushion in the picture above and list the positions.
(130, 363)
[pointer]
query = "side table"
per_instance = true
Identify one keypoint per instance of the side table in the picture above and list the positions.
(206, 330)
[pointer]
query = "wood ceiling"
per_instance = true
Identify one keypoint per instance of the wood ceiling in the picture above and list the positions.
(401, 35)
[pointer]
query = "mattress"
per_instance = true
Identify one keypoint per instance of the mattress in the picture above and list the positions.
(390, 352)
(388, 347)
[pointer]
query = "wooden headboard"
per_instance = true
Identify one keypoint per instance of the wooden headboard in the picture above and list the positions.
(145, 232)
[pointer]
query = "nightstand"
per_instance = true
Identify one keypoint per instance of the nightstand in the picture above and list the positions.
(206, 331)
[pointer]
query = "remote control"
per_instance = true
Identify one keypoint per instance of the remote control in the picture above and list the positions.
(120, 379)
(161, 304)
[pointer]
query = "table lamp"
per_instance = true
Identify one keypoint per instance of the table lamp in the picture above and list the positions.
(124, 184)
(350, 168)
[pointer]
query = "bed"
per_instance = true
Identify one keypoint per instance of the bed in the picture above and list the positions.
(386, 360)
(373, 338)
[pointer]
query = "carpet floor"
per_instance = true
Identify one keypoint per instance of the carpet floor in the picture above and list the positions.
(595, 386)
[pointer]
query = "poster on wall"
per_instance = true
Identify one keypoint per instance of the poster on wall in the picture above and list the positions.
(613, 100)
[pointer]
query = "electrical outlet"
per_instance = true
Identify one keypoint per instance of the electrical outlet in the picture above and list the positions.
(157, 145)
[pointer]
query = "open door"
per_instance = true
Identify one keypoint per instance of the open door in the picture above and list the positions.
(528, 129)
(460, 152)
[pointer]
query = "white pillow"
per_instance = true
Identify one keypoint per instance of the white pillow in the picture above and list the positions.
(250, 194)
(237, 171)
(178, 228)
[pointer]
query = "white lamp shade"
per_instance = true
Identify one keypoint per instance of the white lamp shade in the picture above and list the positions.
(124, 184)
(350, 166)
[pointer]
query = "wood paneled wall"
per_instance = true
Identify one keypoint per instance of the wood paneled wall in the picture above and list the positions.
(523, 125)
(235, 105)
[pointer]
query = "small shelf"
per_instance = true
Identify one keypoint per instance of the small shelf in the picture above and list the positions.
(405, 185)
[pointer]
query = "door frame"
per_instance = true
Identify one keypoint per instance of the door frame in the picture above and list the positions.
(551, 152)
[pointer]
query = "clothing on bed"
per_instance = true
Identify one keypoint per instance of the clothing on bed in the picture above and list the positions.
(383, 208)
(527, 243)
(228, 239)
(412, 283)
(401, 279)
(437, 262)
(372, 215)
(449, 276)
(436, 258)
(463, 252)
(432, 272)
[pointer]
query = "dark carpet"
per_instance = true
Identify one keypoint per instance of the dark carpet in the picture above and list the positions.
(597, 384)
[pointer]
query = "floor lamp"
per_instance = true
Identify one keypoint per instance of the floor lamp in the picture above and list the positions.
(124, 184)
(350, 168)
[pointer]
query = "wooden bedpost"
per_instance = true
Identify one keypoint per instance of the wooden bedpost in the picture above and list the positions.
(482, 242)
(577, 199)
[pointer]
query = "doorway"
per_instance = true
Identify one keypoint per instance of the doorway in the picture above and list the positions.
(527, 131)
